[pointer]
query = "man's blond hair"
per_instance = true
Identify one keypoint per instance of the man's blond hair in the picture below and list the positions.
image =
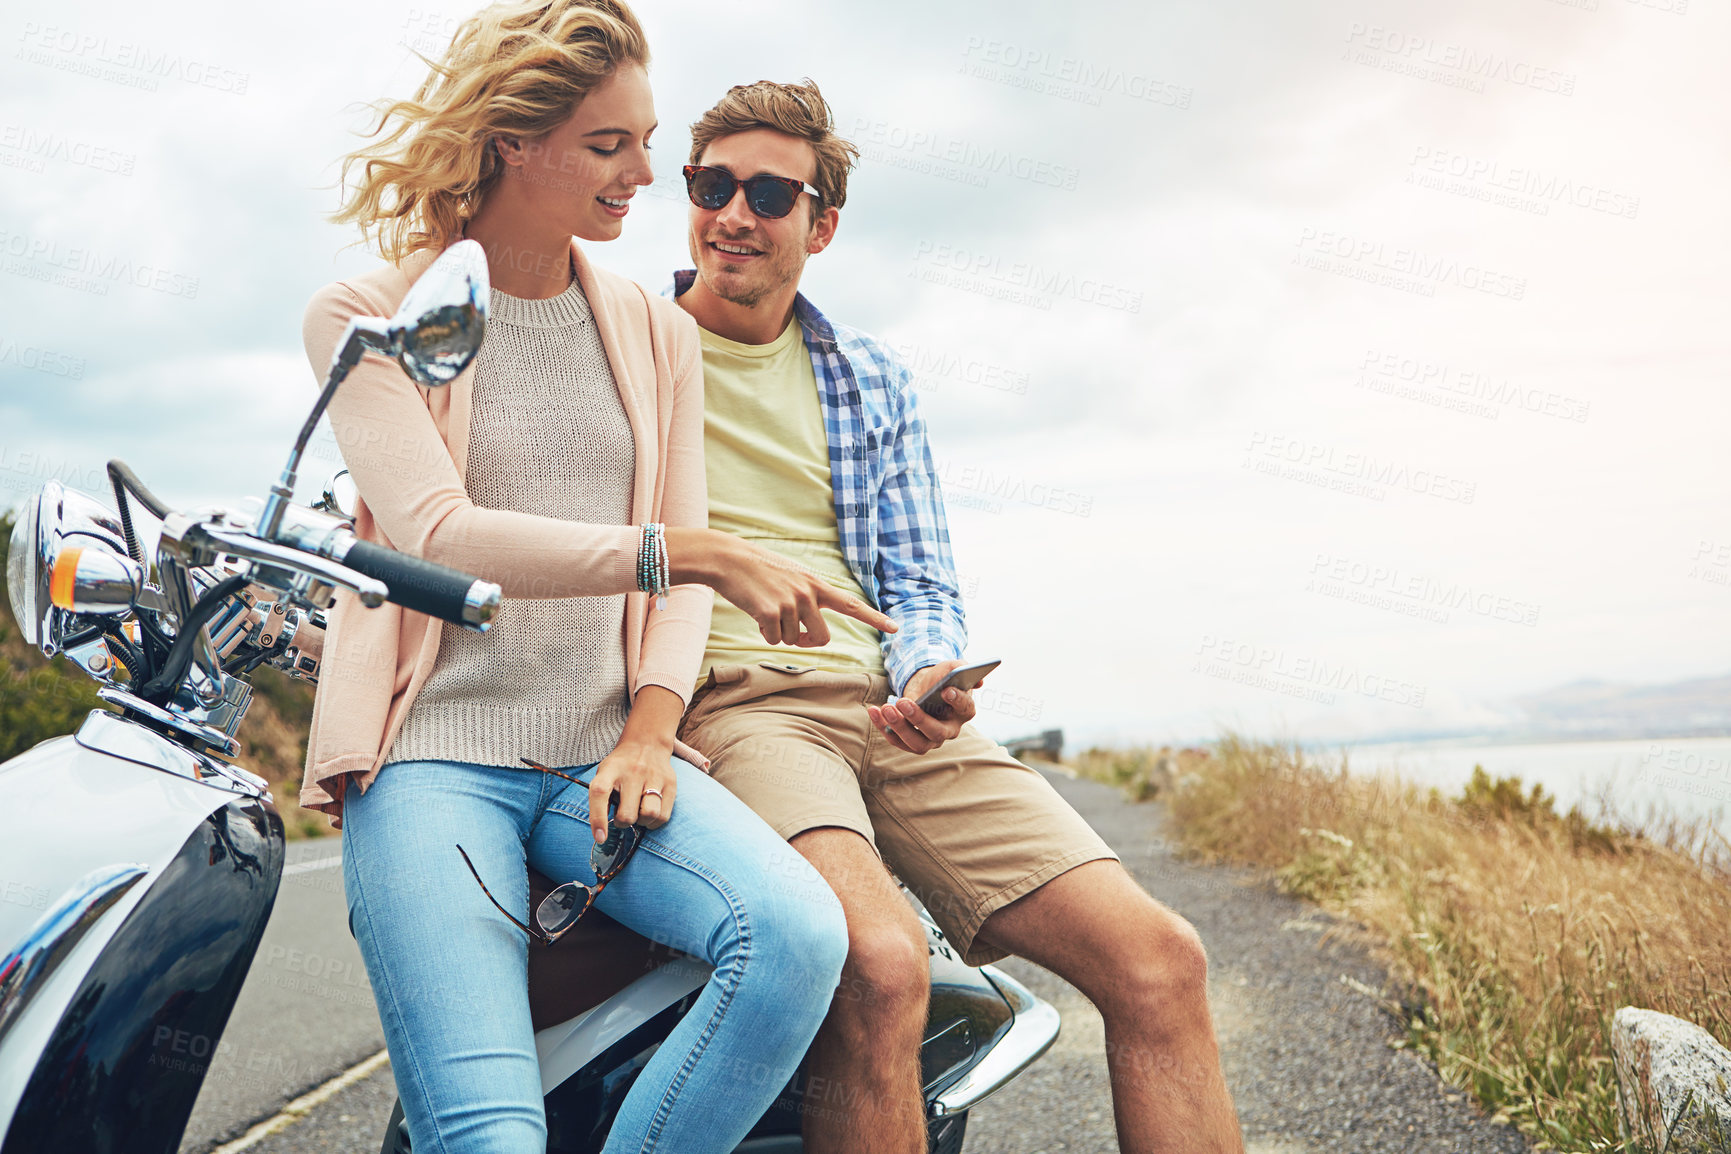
(796, 109)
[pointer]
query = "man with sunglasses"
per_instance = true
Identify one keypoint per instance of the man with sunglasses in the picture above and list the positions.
(814, 449)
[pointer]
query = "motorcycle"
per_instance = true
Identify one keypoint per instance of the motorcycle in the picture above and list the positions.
(140, 863)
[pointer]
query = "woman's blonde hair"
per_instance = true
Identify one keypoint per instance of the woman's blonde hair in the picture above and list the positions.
(513, 69)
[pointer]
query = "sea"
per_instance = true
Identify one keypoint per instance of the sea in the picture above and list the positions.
(1644, 780)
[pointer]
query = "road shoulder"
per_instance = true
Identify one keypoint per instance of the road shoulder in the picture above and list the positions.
(1304, 1040)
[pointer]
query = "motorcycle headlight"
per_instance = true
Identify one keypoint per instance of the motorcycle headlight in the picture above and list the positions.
(26, 575)
(67, 554)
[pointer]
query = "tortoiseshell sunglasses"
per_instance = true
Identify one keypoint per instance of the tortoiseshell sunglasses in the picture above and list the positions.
(561, 909)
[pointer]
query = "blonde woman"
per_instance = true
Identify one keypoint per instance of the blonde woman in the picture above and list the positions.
(580, 423)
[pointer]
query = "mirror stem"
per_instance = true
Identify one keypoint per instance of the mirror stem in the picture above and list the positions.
(362, 333)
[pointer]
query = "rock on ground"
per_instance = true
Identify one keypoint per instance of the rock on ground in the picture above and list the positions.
(1675, 1082)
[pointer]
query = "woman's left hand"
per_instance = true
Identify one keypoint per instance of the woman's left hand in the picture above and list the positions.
(641, 775)
(640, 768)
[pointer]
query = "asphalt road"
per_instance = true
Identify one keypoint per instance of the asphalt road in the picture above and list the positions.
(1304, 1046)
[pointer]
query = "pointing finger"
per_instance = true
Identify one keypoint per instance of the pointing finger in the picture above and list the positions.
(835, 599)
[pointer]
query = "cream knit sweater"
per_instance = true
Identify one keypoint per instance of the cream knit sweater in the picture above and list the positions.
(548, 436)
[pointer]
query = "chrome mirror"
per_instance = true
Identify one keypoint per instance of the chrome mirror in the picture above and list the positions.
(438, 328)
(437, 331)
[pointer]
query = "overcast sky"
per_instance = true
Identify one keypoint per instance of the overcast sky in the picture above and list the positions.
(1318, 368)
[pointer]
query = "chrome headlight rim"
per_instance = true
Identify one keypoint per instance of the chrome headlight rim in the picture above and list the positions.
(46, 524)
(26, 565)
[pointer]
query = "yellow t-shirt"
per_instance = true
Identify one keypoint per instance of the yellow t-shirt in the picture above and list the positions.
(767, 463)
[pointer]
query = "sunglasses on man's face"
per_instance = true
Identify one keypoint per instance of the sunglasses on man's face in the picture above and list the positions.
(565, 905)
(771, 197)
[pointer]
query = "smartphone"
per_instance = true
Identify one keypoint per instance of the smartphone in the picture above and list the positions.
(966, 677)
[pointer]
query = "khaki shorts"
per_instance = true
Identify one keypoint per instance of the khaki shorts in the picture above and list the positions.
(968, 828)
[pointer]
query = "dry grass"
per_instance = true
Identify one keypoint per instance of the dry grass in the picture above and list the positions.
(273, 744)
(1143, 772)
(1520, 930)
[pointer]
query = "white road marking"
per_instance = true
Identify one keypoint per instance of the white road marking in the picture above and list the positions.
(301, 867)
(298, 1109)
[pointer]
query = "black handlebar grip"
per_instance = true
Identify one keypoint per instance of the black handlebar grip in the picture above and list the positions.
(426, 587)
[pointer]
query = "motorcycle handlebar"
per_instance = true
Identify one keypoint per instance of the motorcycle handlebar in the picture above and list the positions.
(427, 587)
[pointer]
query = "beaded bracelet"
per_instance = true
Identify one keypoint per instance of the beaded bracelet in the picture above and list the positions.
(652, 563)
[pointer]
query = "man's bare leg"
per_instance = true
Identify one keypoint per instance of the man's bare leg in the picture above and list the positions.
(863, 1079)
(1144, 968)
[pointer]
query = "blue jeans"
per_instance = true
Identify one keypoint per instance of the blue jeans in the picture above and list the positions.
(450, 975)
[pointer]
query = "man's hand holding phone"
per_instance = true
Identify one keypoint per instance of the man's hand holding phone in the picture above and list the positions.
(935, 704)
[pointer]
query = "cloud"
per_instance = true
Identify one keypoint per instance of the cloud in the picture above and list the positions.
(1254, 285)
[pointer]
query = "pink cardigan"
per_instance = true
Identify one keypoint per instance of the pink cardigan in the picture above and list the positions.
(407, 447)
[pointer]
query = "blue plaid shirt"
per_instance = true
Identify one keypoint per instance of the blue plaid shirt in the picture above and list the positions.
(889, 512)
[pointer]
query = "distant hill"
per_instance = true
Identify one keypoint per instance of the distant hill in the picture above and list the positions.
(1700, 707)
(1585, 710)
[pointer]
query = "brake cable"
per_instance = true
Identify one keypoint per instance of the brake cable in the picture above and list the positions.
(158, 689)
(121, 476)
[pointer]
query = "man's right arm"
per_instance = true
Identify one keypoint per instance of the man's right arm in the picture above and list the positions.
(916, 576)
